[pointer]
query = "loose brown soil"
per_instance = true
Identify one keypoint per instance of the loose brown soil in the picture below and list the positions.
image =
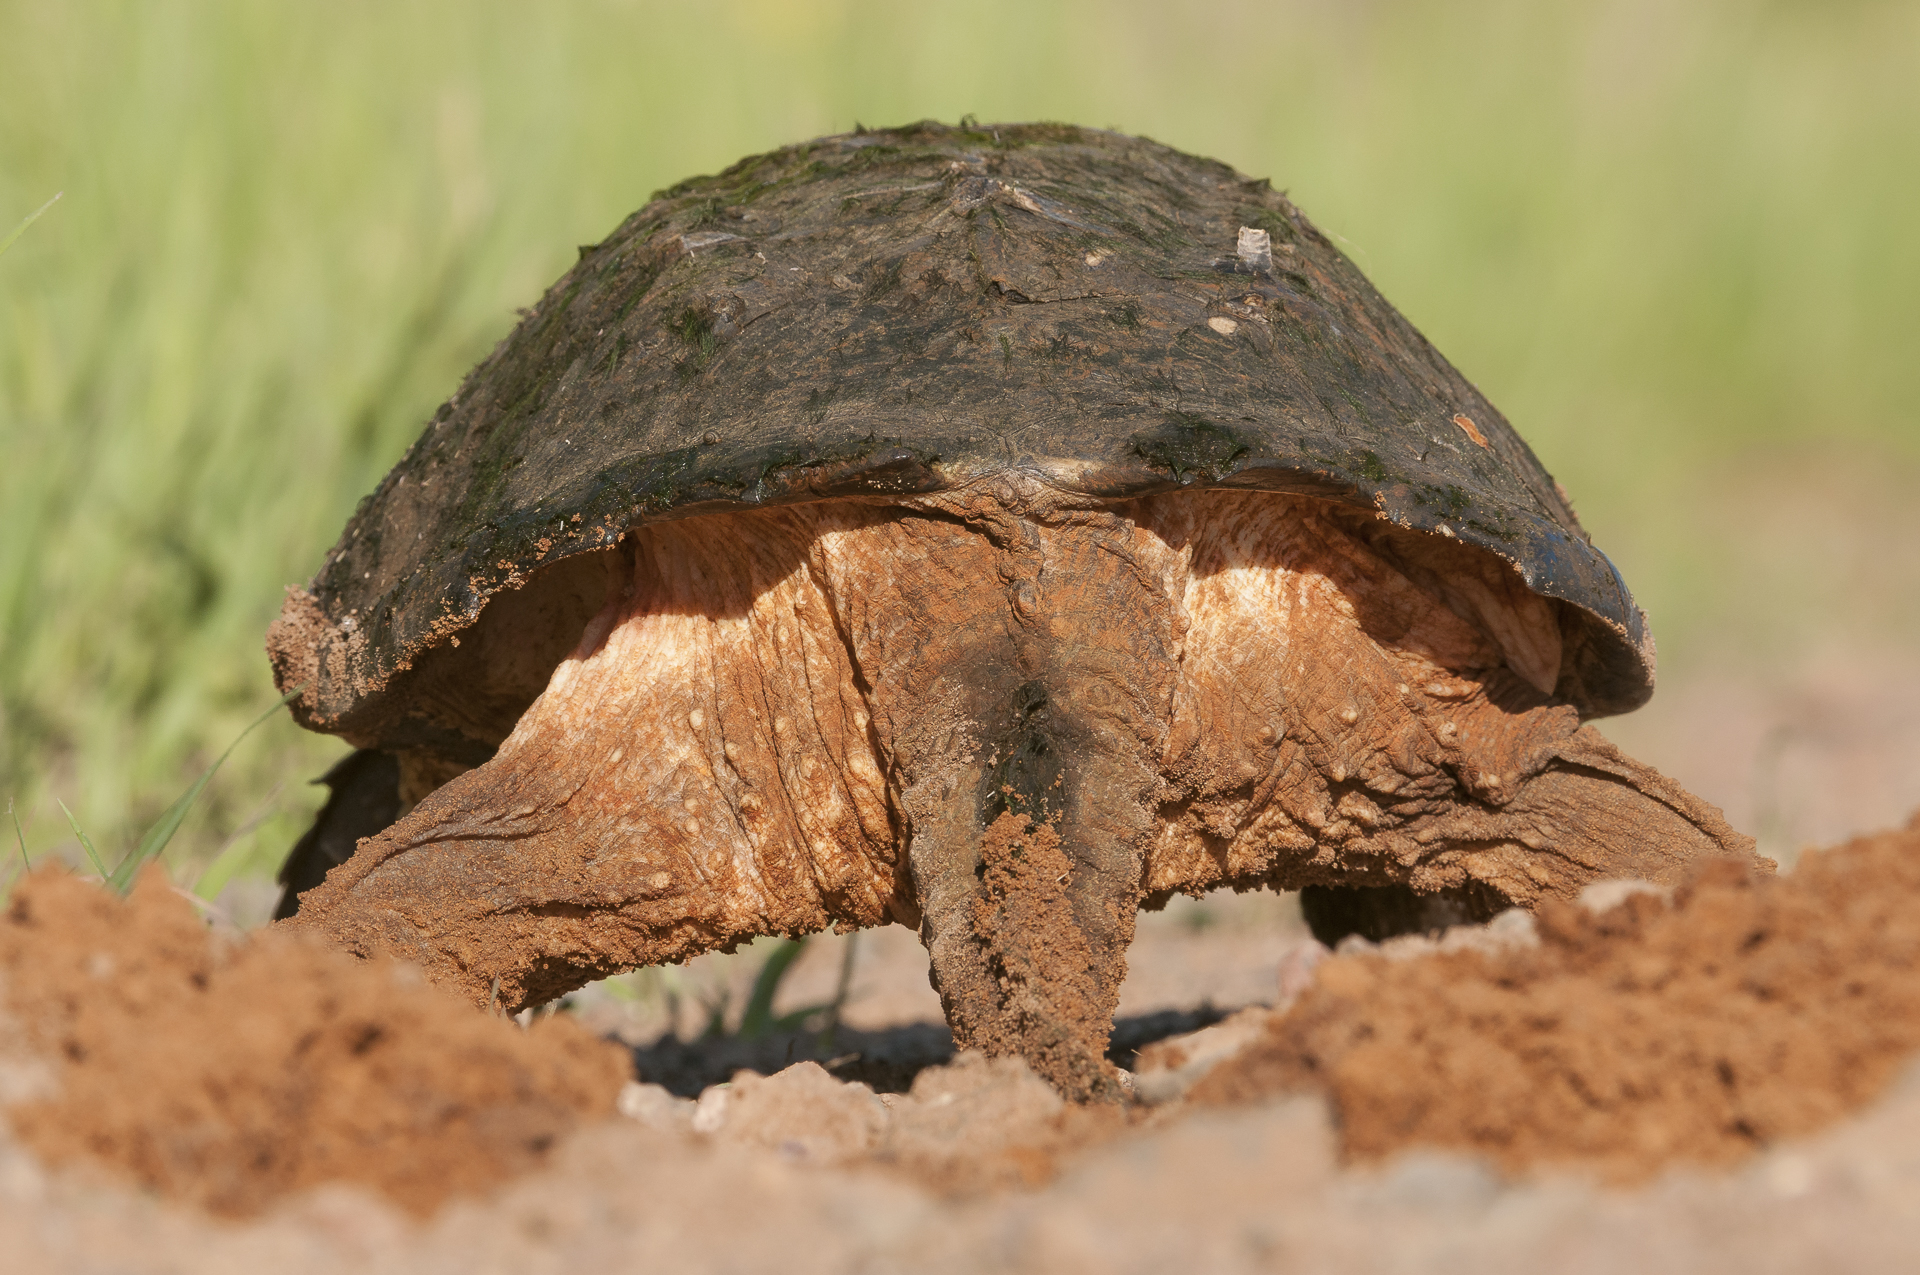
(1748, 1011)
(231, 1074)
(1624, 1044)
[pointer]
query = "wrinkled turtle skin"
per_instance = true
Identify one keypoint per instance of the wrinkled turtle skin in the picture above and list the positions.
(1044, 368)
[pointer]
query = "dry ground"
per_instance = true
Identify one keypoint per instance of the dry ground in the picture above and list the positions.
(1771, 1023)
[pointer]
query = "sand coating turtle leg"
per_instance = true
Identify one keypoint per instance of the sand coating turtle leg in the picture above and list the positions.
(1011, 718)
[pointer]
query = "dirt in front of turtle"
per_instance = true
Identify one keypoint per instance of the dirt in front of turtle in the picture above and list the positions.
(230, 1074)
(1731, 1055)
(1747, 1011)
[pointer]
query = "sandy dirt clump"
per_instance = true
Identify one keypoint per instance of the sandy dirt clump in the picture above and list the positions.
(232, 1073)
(1748, 1010)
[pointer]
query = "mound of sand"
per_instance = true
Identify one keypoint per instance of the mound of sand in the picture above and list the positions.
(230, 1074)
(1416, 1106)
(1746, 1011)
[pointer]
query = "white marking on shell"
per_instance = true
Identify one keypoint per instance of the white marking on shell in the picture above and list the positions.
(1255, 247)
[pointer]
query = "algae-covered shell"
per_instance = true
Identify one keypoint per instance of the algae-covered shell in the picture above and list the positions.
(898, 312)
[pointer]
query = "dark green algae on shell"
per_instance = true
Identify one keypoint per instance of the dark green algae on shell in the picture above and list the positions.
(897, 312)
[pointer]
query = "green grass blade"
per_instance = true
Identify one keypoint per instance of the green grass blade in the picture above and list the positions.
(31, 218)
(757, 1019)
(85, 844)
(19, 836)
(169, 823)
(716, 1016)
(838, 1004)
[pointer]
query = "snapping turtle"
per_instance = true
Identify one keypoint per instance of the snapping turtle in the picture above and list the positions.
(993, 531)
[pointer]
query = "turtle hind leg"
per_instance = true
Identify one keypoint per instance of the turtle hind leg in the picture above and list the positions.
(363, 800)
(1606, 815)
(693, 776)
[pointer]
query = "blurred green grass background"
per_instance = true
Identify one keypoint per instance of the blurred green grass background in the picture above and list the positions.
(1675, 242)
